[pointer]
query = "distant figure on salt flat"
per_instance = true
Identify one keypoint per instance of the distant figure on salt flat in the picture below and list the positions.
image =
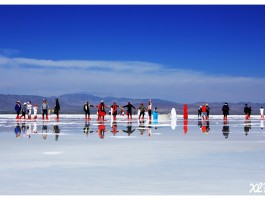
(87, 110)
(204, 112)
(56, 109)
(142, 110)
(129, 107)
(18, 109)
(246, 111)
(225, 110)
(29, 109)
(45, 108)
(207, 111)
(261, 112)
(173, 113)
(149, 109)
(101, 110)
(200, 112)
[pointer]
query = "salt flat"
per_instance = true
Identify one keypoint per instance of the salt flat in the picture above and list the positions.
(74, 156)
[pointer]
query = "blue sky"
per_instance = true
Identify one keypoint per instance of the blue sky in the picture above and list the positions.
(213, 53)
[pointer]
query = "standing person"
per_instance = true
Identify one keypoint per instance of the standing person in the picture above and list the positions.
(35, 110)
(249, 111)
(45, 108)
(87, 110)
(29, 109)
(18, 109)
(114, 110)
(24, 110)
(246, 111)
(207, 111)
(56, 109)
(225, 110)
(129, 107)
(261, 112)
(204, 112)
(101, 110)
(142, 110)
(200, 112)
(149, 109)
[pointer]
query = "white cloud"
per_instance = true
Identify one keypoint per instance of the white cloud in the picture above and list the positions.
(124, 79)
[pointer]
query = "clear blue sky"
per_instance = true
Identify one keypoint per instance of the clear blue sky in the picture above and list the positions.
(213, 40)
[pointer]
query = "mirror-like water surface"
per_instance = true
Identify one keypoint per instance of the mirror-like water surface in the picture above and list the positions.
(168, 157)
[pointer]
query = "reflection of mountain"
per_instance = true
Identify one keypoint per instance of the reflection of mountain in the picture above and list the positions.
(73, 103)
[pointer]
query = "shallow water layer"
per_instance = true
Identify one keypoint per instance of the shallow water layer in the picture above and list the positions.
(168, 157)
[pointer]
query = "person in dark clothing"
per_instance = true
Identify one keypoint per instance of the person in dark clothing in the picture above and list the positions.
(225, 110)
(57, 109)
(142, 111)
(246, 111)
(249, 111)
(18, 109)
(87, 110)
(45, 108)
(129, 107)
(200, 112)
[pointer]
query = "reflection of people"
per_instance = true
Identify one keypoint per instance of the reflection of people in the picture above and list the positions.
(262, 124)
(44, 130)
(247, 126)
(114, 128)
(185, 126)
(56, 130)
(87, 128)
(225, 110)
(101, 130)
(225, 129)
(129, 130)
(205, 126)
(199, 123)
(141, 127)
(18, 131)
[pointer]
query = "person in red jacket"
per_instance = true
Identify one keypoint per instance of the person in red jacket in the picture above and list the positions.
(204, 112)
(114, 110)
(101, 110)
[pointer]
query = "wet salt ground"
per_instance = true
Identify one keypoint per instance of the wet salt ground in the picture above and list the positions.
(158, 161)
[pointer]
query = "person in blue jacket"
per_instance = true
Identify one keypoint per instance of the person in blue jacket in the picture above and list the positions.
(18, 109)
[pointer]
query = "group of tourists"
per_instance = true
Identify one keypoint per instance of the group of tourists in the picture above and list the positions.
(204, 111)
(26, 110)
(101, 110)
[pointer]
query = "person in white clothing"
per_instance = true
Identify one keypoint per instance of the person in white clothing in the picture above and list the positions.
(35, 110)
(149, 109)
(261, 112)
(29, 109)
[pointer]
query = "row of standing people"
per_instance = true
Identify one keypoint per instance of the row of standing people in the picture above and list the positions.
(204, 111)
(27, 107)
(114, 110)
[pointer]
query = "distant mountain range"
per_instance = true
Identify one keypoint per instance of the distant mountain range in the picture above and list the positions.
(73, 104)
